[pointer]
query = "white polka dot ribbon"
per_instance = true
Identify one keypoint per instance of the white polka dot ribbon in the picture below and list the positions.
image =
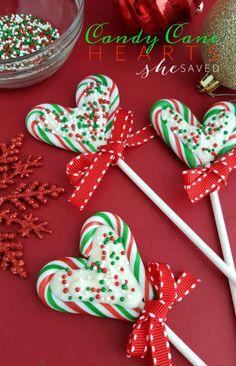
(150, 329)
(202, 181)
(86, 171)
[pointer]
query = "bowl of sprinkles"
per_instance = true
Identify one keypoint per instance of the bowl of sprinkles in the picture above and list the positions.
(36, 39)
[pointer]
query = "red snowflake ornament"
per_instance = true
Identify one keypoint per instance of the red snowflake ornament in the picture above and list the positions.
(27, 222)
(33, 194)
(10, 153)
(11, 255)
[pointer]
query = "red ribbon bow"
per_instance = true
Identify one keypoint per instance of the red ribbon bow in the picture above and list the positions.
(150, 329)
(87, 170)
(202, 181)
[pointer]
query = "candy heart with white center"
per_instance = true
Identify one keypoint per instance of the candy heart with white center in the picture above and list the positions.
(84, 128)
(195, 143)
(112, 282)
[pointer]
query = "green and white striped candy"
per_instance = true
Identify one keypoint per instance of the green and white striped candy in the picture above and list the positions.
(81, 129)
(195, 143)
(109, 286)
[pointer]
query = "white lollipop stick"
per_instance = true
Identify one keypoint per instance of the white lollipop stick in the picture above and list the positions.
(224, 239)
(197, 241)
(184, 349)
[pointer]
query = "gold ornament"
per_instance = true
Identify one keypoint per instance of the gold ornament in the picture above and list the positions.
(220, 21)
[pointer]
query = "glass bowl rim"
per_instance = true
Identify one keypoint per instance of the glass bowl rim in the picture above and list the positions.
(56, 42)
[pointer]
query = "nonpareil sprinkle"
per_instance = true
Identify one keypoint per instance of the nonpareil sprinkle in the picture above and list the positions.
(23, 34)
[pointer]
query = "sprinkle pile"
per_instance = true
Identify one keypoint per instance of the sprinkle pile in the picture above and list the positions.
(23, 34)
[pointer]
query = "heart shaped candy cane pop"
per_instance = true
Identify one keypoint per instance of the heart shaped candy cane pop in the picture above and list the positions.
(84, 128)
(195, 143)
(111, 283)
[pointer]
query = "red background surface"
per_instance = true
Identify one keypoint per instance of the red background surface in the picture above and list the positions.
(32, 334)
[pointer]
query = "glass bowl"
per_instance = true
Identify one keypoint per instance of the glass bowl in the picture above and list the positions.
(67, 16)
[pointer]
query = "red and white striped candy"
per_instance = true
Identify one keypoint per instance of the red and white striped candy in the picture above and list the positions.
(84, 128)
(124, 283)
(195, 143)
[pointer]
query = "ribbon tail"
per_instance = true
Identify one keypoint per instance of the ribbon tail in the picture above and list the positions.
(159, 344)
(185, 284)
(89, 179)
(138, 340)
(141, 137)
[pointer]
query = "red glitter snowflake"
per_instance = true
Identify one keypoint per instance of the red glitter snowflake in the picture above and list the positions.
(10, 153)
(11, 255)
(27, 223)
(19, 169)
(31, 194)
